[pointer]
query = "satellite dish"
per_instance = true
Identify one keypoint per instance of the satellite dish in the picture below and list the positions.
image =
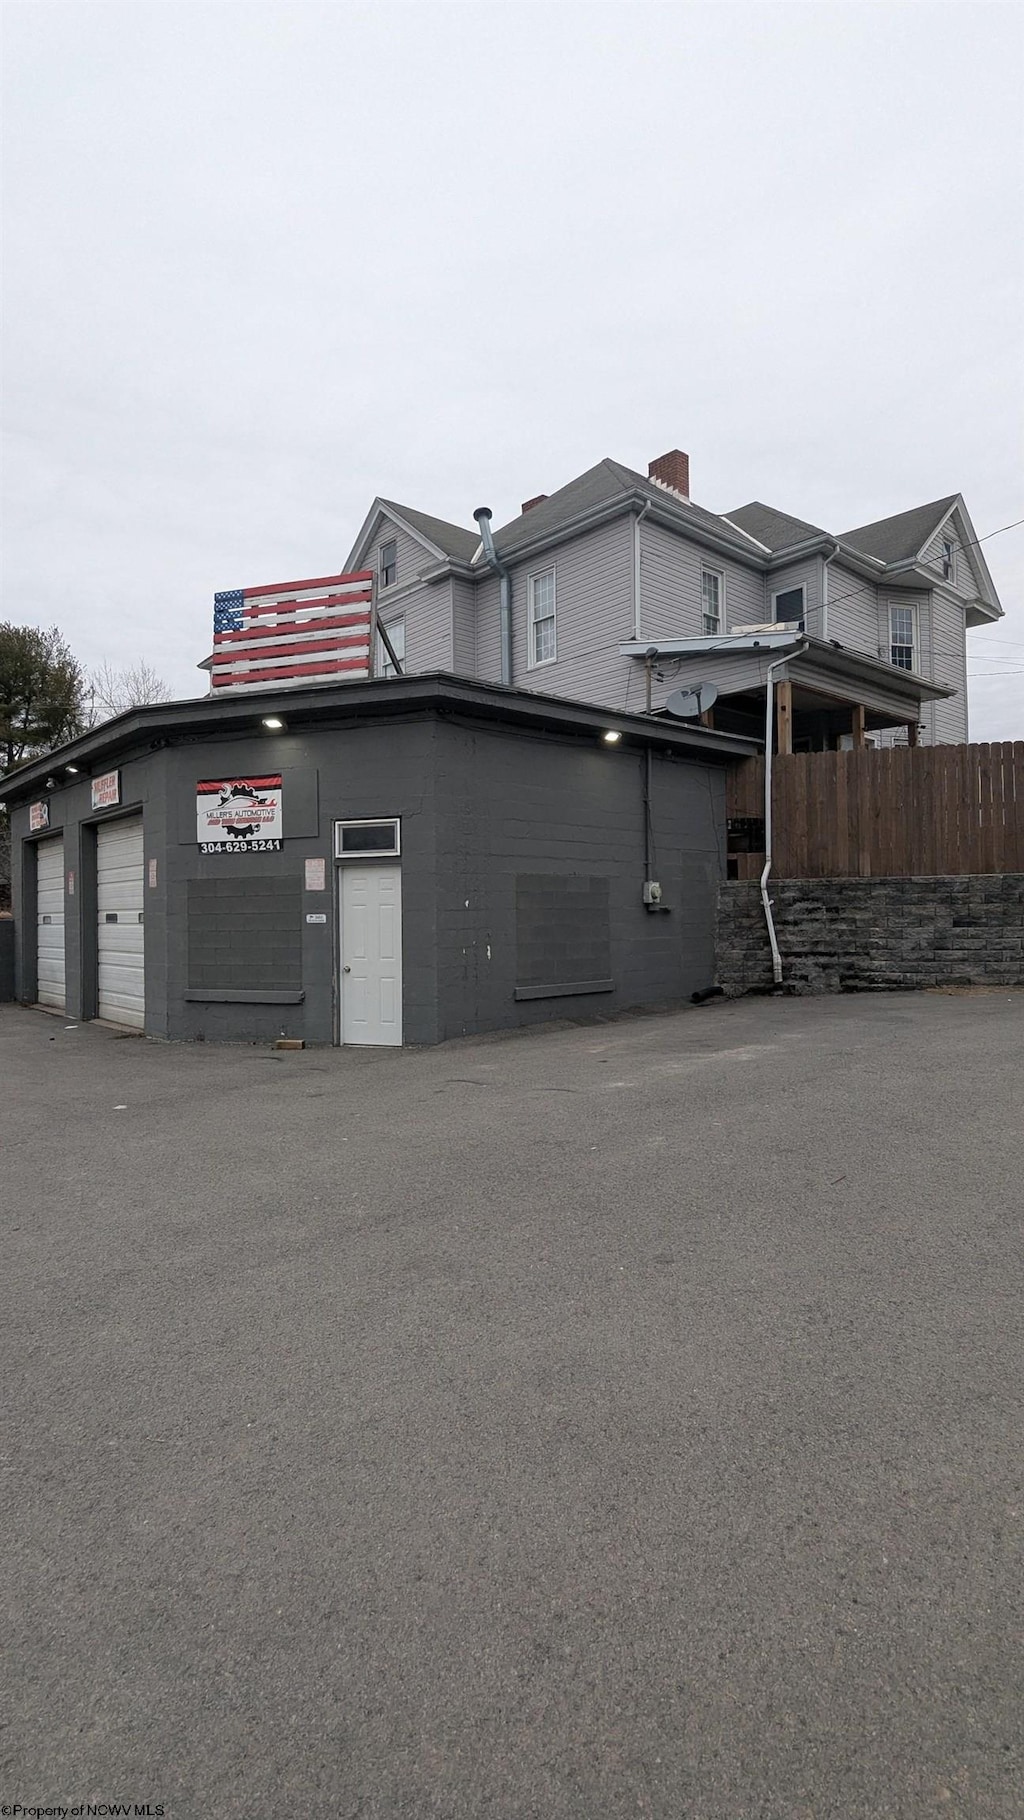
(688, 704)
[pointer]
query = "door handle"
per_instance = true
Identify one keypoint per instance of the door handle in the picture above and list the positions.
(346, 970)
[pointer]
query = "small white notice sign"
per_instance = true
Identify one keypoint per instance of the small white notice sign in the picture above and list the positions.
(152, 874)
(316, 875)
(316, 916)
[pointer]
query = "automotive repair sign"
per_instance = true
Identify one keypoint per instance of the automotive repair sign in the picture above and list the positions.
(239, 815)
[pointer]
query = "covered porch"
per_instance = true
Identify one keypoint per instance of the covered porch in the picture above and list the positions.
(827, 697)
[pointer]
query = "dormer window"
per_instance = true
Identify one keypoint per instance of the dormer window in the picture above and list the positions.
(388, 565)
(948, 559)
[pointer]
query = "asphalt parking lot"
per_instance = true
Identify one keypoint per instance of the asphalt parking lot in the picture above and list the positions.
(613, 1420)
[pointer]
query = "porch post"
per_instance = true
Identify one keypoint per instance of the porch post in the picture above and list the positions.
(857, 725)
(784, 716)
(912, 730)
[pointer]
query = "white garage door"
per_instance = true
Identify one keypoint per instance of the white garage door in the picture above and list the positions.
(50, 923)
(119, 898)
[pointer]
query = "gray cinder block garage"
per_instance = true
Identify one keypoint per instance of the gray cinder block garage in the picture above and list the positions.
(403, 860)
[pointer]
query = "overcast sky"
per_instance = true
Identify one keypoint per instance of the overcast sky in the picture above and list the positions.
(266, 261)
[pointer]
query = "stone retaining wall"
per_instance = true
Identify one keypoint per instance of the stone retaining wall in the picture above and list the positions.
(874, 934)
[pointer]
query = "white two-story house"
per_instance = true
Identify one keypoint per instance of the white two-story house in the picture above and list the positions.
(620, 590)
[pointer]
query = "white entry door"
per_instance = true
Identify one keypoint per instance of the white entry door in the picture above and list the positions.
(119, 936)
(50, 923)
(371, 954)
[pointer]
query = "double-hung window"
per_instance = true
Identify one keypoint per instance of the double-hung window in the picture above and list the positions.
(542, 618)
(901, 637)
(387, 567)
(948, 559)
(396, 632)
(712, 589)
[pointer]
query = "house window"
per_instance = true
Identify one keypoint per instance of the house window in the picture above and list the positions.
(788, 607)
(396, 632)
(712, 588)
(948, 560)
(901, 637)
(388, 567)
(542, 618)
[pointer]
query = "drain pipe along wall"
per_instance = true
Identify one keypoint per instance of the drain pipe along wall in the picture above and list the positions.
(769, 732)
(483, 519)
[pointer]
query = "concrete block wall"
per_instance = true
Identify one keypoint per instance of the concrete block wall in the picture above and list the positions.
(874, 934)
(6, 959)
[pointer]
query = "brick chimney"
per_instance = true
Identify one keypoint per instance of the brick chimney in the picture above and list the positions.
(673, 470)
(537, 500)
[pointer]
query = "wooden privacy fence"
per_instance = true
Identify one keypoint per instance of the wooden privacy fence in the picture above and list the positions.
(924, 811)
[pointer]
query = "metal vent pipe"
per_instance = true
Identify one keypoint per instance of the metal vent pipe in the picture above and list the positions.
(483, 519)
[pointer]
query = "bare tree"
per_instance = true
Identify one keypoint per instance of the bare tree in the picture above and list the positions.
(115, 691)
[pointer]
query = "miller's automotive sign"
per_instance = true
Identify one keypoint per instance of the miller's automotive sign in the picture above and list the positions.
(239, 815)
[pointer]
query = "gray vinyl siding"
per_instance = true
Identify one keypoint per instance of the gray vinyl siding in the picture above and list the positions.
(463, 628)
(949, 718)
(593, 616)
(670, 587)
(427, 611)
(411, 559)
(806, 575)
(853, 613)
(967, 579)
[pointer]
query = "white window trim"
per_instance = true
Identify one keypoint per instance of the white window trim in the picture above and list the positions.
(382, 546)
(719, 574)
(949, 542)
(904, 606)
(369, 821)
(533, 662)
(382, 663)
(794, 587)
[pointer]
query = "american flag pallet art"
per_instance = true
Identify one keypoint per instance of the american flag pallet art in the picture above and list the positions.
(293, 633)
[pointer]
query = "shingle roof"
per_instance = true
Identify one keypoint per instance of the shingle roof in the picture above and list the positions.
(452, 539)
(606, 481)
(900, 539)
(777, 530)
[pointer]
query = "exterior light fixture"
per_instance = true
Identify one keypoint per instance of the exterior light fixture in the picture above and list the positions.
(610, 738)
(72, 770)
(273, 725)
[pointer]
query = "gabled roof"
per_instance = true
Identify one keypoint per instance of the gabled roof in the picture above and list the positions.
(452, 539)
(776, 530)
(902, 538)
(601, 485)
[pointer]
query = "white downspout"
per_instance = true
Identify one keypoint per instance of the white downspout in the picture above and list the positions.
(769, 730)
(824, 591)
(636, 571)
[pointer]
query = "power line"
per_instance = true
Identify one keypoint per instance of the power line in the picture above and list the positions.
(851, 593)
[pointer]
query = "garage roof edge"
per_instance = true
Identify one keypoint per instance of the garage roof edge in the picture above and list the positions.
(436, 691)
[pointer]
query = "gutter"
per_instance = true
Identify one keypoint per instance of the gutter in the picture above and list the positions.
(638, 520)
(483, 519)
(769, 717)
(824, 590)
